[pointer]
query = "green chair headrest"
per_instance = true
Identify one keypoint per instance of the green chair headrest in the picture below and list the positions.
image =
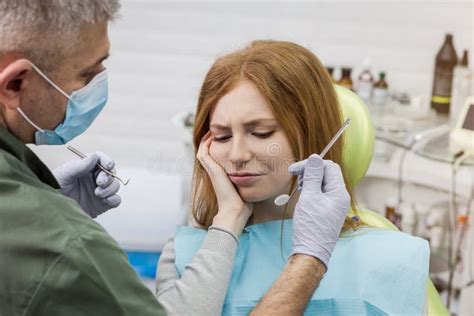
(359, 137)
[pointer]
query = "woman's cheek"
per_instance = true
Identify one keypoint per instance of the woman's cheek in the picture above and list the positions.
(275, 154)
(218, 153)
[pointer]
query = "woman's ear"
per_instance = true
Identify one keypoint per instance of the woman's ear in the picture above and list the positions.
(13, 81)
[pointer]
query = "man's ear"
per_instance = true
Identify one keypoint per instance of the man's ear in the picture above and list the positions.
(13, 80)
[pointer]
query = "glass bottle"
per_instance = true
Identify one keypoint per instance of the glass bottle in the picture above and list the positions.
(380, 93)
(346, 80)
(463, 87)
(446, 60)
(330, 71)
(366, 82)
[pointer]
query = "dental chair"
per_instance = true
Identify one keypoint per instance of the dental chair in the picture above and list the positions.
(357, 154)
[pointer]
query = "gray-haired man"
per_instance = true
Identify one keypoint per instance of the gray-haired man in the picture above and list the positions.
(55, 260)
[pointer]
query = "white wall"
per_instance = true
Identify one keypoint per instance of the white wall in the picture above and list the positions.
(162, 50)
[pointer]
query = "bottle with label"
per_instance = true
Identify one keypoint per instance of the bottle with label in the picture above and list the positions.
(462, 87)
(391, 214)
(346, 80)
(380, 93)
(446, 60)
(330, 71)
(366, 82)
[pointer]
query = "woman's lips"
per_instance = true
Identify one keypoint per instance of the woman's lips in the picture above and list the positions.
(244, 179)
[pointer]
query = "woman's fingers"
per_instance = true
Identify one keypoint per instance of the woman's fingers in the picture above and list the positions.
(220, 181)
(212, 168)
(233, 212)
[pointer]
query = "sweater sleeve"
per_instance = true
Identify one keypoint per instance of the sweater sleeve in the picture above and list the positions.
(202, 287)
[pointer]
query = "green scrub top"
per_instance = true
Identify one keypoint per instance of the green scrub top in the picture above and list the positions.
(54, 259)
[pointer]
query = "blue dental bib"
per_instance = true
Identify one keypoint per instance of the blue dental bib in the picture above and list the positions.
(372, 271)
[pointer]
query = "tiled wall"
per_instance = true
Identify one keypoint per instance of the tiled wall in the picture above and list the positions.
(162, 50)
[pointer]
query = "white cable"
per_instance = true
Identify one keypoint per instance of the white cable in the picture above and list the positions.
(421, 138)
(462, 158)
(401, 166)
(452, 222)
(469, 208)
(417, 141)
(469, 253)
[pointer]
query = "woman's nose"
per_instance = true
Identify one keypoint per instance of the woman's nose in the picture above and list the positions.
(239, 153)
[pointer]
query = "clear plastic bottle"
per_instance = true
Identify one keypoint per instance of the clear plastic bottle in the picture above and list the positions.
(366, 82)
(380, 93)
(462, 87)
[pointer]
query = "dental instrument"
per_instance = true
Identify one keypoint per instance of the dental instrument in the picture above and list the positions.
(282, 199)
(113, 175)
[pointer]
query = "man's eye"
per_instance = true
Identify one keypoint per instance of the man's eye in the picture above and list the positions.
(88, 76)
(264, 135)
(221, 139)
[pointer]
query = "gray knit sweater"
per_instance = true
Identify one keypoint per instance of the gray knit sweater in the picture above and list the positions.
(202, 288)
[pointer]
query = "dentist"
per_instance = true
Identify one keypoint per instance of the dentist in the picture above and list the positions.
(54, 259)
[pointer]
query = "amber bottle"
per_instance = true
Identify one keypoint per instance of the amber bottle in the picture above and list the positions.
(446, 60)
(346, 80)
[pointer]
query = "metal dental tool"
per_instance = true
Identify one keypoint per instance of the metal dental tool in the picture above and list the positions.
(285, 198)
(113, 175)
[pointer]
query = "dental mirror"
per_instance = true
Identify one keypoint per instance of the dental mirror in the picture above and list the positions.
(282, 199)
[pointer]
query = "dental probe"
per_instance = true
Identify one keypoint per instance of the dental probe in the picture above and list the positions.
(282, 199)
(113, 175)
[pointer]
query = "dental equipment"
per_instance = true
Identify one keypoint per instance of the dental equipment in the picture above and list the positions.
(113, 175)
(282, 199)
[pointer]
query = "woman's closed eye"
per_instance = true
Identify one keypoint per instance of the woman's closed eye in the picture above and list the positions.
(221, 139)
(224, 138)
(263, 135)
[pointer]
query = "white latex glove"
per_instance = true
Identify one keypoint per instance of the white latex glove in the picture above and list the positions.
(321, 209)
(93, 189)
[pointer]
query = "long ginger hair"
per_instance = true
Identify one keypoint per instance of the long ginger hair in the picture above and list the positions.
(301, 94)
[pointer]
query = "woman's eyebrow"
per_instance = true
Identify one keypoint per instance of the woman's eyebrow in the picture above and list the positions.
(219, 126)
(259, 121)
(251, 123)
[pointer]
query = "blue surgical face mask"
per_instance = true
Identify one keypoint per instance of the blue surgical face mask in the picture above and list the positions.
(83, 106)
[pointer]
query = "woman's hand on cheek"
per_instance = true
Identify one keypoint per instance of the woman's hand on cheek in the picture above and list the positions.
(233, 212)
